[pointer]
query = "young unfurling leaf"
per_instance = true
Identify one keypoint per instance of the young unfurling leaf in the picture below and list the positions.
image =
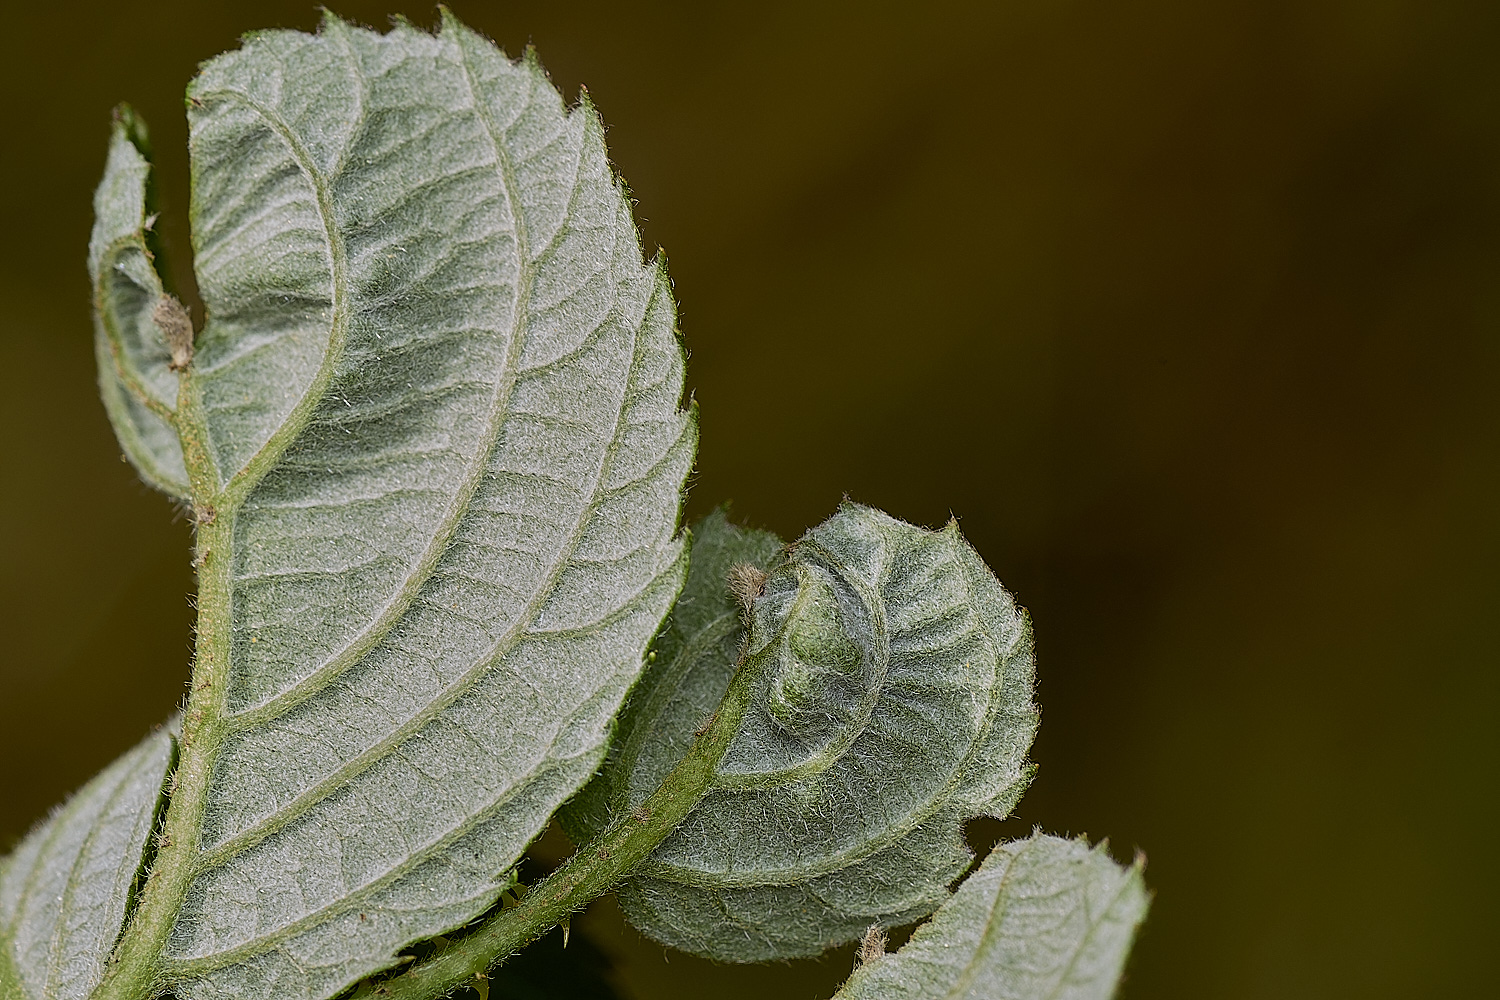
(893, 702)
(136, 379)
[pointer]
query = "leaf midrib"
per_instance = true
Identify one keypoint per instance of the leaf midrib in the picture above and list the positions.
(828, 756)
(1001, 905)
(232, 493)
(277, 820)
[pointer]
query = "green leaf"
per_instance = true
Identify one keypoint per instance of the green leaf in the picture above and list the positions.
(432, 438)
(135, 379)
(894, 703)
(65, 890)
(1042, 919)
(691, 664)
(433, 431)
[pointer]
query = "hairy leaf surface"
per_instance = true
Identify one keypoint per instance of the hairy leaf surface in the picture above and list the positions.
(692, 661)
(64, 892)
(1042, 919)
(893, 703)
(436, 406)
(432, 438)
(138, 388)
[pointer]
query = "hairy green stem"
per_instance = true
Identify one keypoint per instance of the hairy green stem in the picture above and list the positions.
(593, 871)
(135, 970)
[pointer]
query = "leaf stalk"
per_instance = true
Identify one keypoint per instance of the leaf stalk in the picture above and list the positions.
(136, 969)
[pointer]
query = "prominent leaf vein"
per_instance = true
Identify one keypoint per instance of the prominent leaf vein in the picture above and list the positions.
(447, 696)
(243, 480)
(351, 900)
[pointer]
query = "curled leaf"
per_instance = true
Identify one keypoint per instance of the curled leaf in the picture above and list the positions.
(137, 380)
(893, 703)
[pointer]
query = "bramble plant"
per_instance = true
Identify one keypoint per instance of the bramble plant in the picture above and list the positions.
(433, 442)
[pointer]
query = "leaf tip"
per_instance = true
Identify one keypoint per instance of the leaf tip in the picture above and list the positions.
(449, 24)
(129, 125)
(400, 22)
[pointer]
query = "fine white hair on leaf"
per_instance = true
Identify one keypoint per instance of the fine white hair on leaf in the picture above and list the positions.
(893, 704)
(1041, 918)
(437, 427)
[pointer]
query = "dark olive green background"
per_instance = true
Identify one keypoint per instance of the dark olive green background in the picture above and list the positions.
(1189, 312)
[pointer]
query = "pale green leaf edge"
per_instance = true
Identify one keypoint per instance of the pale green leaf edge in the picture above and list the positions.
(1041, 919)
(122, 804)
(137, 389)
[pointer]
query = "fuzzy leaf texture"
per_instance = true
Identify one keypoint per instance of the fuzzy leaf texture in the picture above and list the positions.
(1042, 919)
(64, 892)
(136, 382)
(434, 419)
(893, 703)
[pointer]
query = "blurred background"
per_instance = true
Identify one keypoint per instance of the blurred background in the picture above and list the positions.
(1189, 312)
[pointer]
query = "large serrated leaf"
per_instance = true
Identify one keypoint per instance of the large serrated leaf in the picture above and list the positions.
(1042, 919)
(64, 892)
(434, 419)
(894, 702)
